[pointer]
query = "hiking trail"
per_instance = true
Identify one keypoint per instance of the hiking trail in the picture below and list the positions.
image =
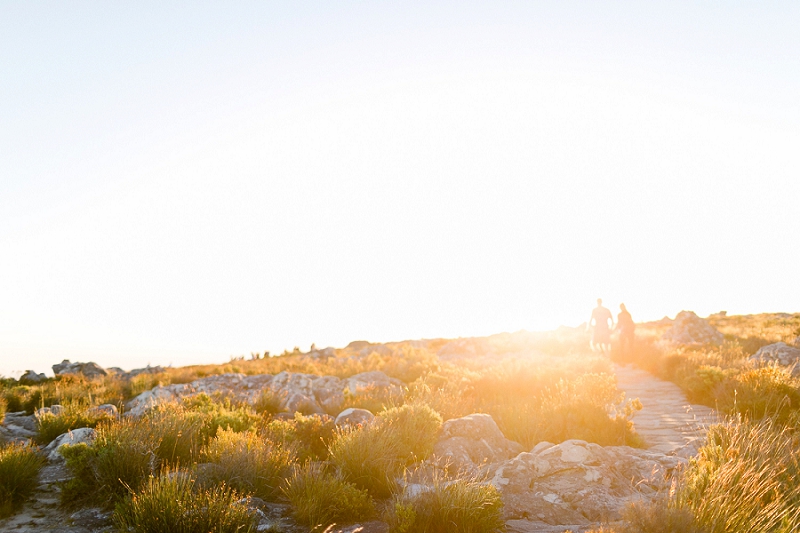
(668, 422)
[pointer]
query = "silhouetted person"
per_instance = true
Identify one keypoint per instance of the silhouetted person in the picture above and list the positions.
(602, 322)
(626, 327)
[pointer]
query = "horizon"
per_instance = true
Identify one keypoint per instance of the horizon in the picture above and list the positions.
(181, 186)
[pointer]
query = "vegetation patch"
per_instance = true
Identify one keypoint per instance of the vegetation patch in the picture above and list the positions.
(459, 505)
(19, 471)
(170, 503)
(249, 463)
(320, 498)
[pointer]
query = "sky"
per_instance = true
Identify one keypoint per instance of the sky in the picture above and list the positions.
(183, 183)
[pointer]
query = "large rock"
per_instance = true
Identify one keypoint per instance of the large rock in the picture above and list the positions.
(31, 377)
(353, 417)
(71, 437)
(89, 370)
(18, 427)
(576, 482)
(779, 353)
(467, 443)
(374, 382)
(688, 329)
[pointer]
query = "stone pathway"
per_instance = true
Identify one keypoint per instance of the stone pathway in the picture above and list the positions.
(667, 422)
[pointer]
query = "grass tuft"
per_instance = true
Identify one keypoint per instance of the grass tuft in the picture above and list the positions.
(320, 498)
(249, 463)
(463, 505)
(169, 503)
(19, 471)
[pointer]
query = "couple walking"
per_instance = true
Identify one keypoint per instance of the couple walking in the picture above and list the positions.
(603, 324)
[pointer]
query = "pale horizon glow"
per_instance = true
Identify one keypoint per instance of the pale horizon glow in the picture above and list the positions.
(183, 185)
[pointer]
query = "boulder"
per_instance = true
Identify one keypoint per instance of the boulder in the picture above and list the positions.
(576, 482)
(374, 382)
(71, 437)
(353, 417)
(107, 409)
(329, 392)
(471, 441)
(52, 410)
(30, 377)
(18, 427)
(779, 353)
(688, 329)
(89, 370)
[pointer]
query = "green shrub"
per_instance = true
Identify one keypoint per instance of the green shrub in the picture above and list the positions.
(170, 504)
(745, 478)
(19, 471)
(249, 463)
(369, 457)
(73, 415)
(120, 458)
(309, 435)
(319, 498)
(415, 427)
(3, 404)
(463, 505)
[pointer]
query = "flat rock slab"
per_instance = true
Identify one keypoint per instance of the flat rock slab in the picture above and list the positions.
(668, 422)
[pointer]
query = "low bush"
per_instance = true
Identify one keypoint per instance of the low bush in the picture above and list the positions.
(19, 471)
(249, 463)
(169, 503)
(320, 498)
(369, 457)
(415, 427)
(588, 407)
(269, 402)
(121, 457)
(745, 478)
(759, 392)
(309, 435)
(463, 505)
(658, 516)
(73, 415)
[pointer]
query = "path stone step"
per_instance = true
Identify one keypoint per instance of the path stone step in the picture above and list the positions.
(668, 423)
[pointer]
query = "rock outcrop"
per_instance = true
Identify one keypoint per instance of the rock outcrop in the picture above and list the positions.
(89, 370)
(307, 393)
(779, 353)
(472, 441)
(31, 377)
(576, 482)
(688, 329)
(71, 437)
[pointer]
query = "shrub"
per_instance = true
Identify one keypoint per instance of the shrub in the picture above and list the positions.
(249, 463)
(73, 415)
(19, 471)
(658, 516)
(760, 392)
(588, 407)
(745, 478)
(463, 505)
(120, 459)
(320, 498)
(415, 427)
(269, 402)
(169, 503)
(2, 408)
(309, 435)
(369, 457)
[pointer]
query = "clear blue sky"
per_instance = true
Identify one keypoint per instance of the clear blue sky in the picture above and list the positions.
(184, 182)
